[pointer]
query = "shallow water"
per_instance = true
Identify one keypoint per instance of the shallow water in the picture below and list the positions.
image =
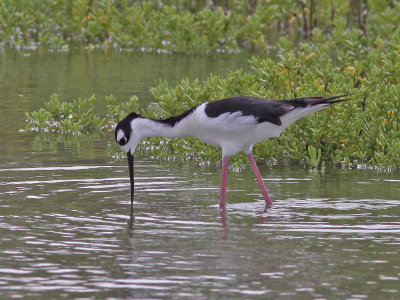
(64, 208)
(64, 232)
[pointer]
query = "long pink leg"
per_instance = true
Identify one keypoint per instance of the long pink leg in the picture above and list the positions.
(224, 175)
(259, 180)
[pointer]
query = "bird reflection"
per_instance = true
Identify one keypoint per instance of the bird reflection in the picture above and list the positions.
(131, 220)
(262, 219)
(222, 218)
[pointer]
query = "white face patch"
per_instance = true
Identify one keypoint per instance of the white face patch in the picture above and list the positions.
(120, 135)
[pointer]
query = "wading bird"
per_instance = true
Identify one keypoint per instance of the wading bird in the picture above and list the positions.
(234, 124)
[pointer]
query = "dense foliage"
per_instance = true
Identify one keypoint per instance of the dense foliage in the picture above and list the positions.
(178, 25)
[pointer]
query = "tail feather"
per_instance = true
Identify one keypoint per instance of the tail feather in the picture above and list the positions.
(320, 100)
(302, 107)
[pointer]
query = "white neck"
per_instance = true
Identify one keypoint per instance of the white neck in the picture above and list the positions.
(152, 128)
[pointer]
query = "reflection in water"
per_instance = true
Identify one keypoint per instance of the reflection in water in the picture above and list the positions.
(222, 217)
(131, 221)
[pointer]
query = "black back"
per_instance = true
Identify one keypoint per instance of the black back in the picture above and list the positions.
(264, 110)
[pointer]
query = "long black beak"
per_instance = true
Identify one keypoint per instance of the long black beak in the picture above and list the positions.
(130, 164)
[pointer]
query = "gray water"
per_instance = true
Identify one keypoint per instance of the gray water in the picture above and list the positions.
(64, 206)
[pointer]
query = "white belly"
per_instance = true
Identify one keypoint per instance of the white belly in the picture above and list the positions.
(233, 132)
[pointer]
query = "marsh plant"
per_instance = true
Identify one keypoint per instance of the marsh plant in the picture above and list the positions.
(74, 117)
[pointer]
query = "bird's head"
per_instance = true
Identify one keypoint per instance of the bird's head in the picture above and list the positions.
(125, 136)
(128, 139)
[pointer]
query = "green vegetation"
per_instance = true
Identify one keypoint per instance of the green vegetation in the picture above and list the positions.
(340, 50)
(70, 118)
(178, 25)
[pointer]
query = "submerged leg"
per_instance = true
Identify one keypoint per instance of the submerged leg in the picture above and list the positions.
(259, 180)
(224, 175)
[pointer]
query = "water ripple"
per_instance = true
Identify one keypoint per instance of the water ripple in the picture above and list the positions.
(63, 231)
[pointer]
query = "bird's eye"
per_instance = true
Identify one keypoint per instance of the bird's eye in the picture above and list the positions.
(122, 141)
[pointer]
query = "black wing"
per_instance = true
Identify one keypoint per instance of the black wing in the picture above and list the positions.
(264, 110)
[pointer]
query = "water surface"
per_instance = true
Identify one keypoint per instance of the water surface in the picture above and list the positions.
(64, 207)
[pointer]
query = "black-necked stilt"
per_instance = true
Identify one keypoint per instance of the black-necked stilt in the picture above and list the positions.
(234, 124)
